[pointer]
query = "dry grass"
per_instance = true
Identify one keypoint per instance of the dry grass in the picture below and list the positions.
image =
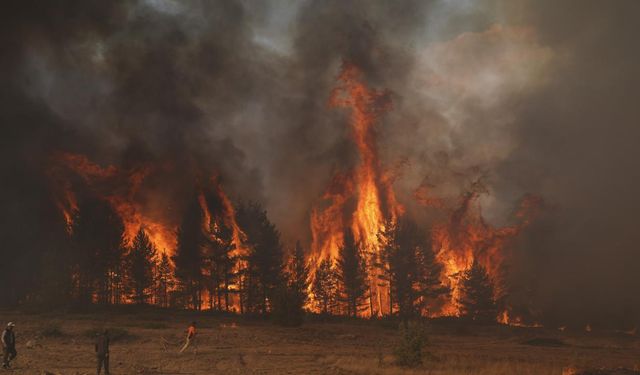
(229, 345)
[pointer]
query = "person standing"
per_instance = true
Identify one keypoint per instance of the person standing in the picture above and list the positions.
(191, 335)
(8, 345)
(102, 351)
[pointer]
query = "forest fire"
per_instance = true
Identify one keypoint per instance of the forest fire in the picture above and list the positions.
(443, 187)
(120, 189)
(465, 238)
(375, 201)
(360, 201)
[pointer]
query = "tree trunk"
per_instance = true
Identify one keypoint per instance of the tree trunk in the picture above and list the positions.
(226, 291)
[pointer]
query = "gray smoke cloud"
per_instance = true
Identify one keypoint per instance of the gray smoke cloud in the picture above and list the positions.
(534, 95)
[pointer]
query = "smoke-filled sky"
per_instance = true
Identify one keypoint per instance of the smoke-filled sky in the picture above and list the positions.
(535, 96)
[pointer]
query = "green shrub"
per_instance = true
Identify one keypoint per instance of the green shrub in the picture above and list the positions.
(413, 338)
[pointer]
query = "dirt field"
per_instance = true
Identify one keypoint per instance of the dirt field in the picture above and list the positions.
(147, 343)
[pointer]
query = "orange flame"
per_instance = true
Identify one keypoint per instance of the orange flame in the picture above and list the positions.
(375, 201)
(227, 216)
(467, 238)
(122, 199)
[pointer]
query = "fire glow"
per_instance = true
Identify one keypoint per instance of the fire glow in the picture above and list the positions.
(361, 200)
(457, 243)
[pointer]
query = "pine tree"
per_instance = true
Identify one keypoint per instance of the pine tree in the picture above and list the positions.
(118, 280)
(413, 272)
(141, 262)
(164, 280)
(477, 298)
(351, 274)
(324, 287)
(220, 262)
(264, 263)
(54, 276)
(291, 295)
(298, 275)
(97, 249)
(400, 252)
(188, 259)
(429, 283)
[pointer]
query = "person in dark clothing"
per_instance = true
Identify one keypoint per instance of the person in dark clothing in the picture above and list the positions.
(8, 345)
(102, 351)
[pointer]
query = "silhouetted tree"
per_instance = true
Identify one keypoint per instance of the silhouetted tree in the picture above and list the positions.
(264, 263)
(188, 258)
(220, 263)
(298, 276)
(98, 249)
(141, 262)
(34, 248)
(477, 295)
(163, 280)
(285, 306)
(324, 287)
(400, 250)
(54, 265)
(351, 274)
(429, 285)
(413, 272)
(291, 296)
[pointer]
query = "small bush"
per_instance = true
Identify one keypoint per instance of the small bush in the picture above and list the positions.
(115, 334)
(51, 330)
(413, 338)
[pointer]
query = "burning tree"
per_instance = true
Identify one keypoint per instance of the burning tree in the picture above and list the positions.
(234, 257)
(361, 199)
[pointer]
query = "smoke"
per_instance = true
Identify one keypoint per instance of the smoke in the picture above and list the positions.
(536, 97)
(577, 148)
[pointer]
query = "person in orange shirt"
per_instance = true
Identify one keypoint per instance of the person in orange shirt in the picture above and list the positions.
(191, 335)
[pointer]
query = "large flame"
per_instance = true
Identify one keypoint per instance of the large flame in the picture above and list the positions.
(375, 201)
(226, 216)
(465, 237)
(120, 188)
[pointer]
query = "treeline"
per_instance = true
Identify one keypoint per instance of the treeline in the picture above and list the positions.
(98, 266)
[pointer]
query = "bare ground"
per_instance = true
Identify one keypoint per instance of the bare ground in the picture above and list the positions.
(147, 342)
